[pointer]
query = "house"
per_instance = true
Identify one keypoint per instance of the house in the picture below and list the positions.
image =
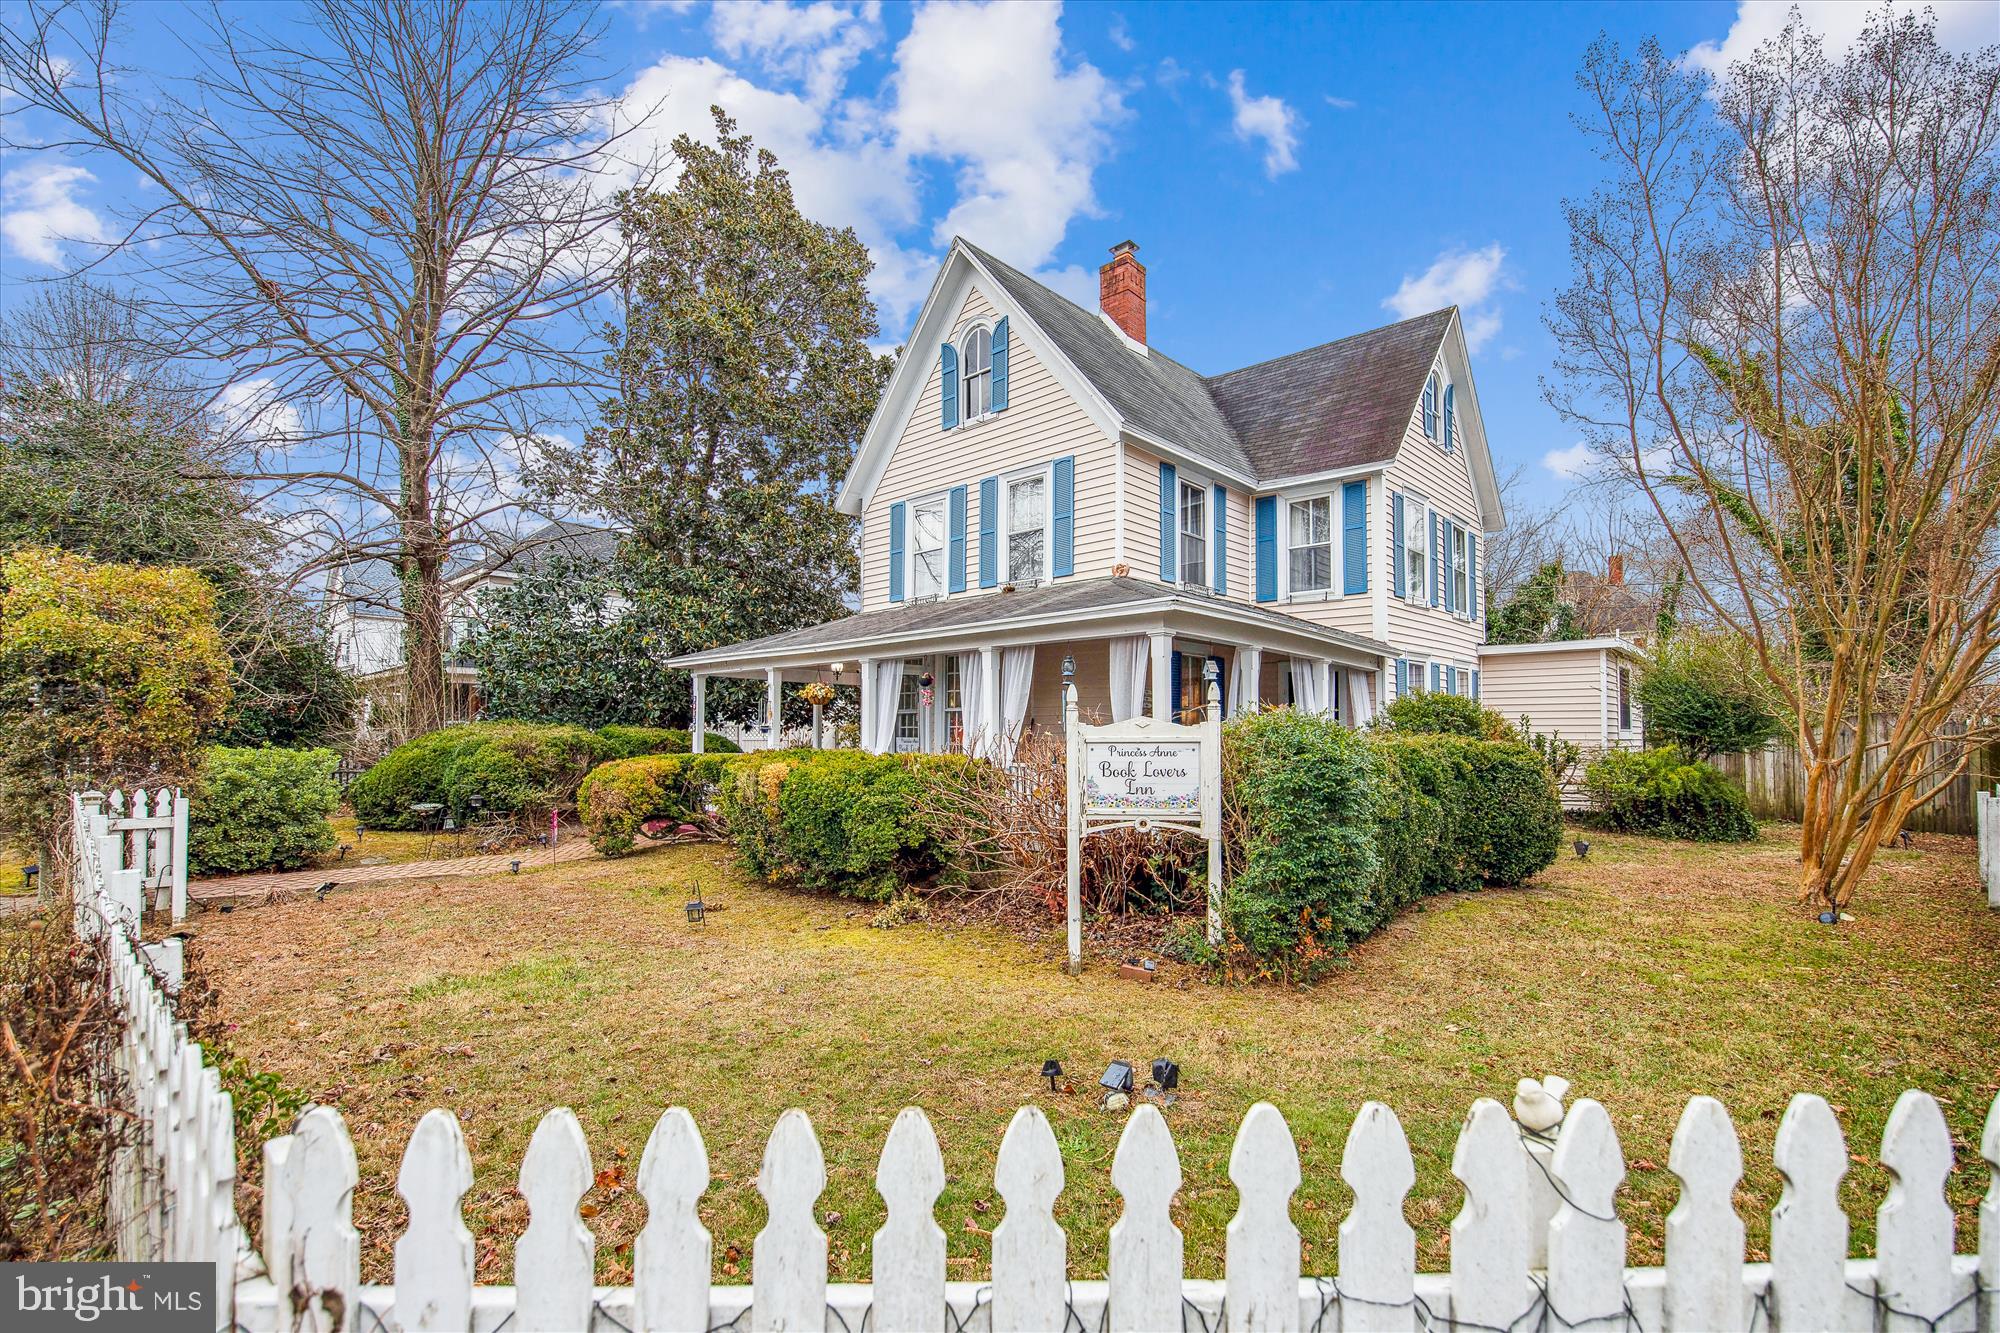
(1584, 690)
(365, 615)
(1040, 486)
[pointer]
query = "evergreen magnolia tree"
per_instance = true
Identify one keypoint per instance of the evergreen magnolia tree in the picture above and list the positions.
(1536, 613)
(746, 381)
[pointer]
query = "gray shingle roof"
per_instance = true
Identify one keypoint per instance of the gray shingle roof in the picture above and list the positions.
(1069, 597)
(1342, 404)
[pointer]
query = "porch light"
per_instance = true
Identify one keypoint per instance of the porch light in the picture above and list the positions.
(1052, 1070)
(697, 911)
(1117, 1077)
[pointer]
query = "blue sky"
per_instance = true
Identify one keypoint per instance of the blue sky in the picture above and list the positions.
(1292, 173)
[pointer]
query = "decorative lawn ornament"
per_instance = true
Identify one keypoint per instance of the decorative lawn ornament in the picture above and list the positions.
(1582, 849)
(1538, 1102)
(1829, 918)
(1052, 1070)
(344, 850)
(927, 687)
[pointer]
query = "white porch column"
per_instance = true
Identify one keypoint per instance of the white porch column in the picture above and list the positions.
(773, 701)
(868, 703)
(700, 712)
(1251, 660)
(1162, 643)
(1324, 670)
(989, 702)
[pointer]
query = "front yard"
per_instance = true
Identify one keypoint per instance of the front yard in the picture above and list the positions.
(1647, 974)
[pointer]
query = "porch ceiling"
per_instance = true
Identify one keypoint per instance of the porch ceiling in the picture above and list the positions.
(1084, 608)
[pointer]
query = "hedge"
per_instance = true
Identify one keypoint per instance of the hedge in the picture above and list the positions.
(524, 768)
(1430, 711)
(1661, 791)
(620, 798)
(260, 809)
(629, 741)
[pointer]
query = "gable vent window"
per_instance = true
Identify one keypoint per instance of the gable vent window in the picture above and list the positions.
(1194, 533)
(975, 374)
(927, 534)
(1311, 544)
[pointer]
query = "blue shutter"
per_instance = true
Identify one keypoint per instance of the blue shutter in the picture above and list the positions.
(1437, 567)
(1267, 548)
(1000, 366)
(1396, 561)
(1472, 583)
(1173, 687)
(1431, 408)
(989, 533)
(1402, 676)
(1062, 561)
(1450, 421)
(1219, 556)
(955, 553)
(1447, 530)
(1169, 494)
(1354, 537)
(1437, 679)
(1475, 682)
(948, 399)
(898, 519)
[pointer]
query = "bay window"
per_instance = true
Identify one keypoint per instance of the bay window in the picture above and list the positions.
(1310, 529)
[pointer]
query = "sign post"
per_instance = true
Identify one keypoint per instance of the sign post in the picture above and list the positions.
(1146, 775)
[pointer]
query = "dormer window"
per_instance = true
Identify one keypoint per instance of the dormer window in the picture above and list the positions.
(975, 370)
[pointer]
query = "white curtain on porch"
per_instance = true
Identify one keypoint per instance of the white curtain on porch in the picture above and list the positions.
(1361, 689)
(1242, 685)
(888, 692)
(1017, 671)
(1307, 694)
(1130, 661)
(972, 687)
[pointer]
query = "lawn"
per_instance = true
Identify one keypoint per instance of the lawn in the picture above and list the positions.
(1652, 972)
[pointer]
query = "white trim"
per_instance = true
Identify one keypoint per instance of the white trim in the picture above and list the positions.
(1603, 643)
(1413, 594)
(1047, 473)
(910, 593)
(1181, 457)
(1118, 506)
(958, 338)
(1308, 596)
(1349, 473)
(1206, 487)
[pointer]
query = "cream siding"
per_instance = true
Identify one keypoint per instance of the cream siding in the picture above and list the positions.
(1336, 609)
(1561, 690)
(1422, 467)
(1041, 424)
(1142, 513)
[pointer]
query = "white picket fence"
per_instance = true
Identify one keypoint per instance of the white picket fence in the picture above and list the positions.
(1536, 1245)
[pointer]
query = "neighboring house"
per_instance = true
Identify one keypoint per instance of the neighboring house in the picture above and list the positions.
(366, 617)
(1039, 484)
(1585, 690)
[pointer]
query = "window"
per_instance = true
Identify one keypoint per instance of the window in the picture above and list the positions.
(909, 710)
(954, 706)
(1624, 699)
(1460, 574)
(1027, 528)
(1311, 544)
(927, 534)
(1416, 550)
(1194, 532)
(1431, 407)
(975, 374)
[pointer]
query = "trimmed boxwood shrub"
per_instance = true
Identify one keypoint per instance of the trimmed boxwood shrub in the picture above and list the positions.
(627, 741)
(1428, 711)
(1661, 791)
(620, 798)
(525, 768)
(260, 809)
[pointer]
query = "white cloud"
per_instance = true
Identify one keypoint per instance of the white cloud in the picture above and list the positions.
(254, 413)
(1468, 279)
(1339, 103)
(1962, 25)
(39, 210)
(816, 44)
(1270, 120)
(1121, 35)
(1579, 462)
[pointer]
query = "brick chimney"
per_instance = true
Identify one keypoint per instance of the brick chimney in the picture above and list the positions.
(1121, 290)
(1614, 570)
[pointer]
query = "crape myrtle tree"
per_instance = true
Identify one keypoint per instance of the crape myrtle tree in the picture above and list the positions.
(1784, 327)
(390, 220)
(745, 381)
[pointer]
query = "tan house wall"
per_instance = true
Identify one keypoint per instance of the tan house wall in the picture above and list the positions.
(1422, 467)
(1041, 423)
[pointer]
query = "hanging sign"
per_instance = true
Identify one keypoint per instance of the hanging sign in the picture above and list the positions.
(1142, 779)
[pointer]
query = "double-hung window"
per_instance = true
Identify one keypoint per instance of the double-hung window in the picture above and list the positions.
(910, 709)
(1416, 550)
(1310, 529)
(1194, 532)
(1461, 574)
(1027, 511)
(927, 547)
(954, 705)
(1624, 699)
(975, 375)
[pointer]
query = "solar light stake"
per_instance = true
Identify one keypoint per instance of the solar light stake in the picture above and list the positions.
(514, 866)
(1052, 1070)
(1117, 1077)
(697, 911)
(28, 874)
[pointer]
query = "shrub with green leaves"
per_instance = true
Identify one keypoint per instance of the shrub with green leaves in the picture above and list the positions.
(620, 798)
(1661, 791)
(515, 768)
(1705, 692)
(1427, 711)
(260, 809)
(629, 741)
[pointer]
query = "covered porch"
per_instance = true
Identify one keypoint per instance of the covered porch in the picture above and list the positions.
(975, 675)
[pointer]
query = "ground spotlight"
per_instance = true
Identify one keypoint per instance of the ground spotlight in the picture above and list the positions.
(1052, 1070)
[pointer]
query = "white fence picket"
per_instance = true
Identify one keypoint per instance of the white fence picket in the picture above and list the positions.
(1914, 1227)
(323, 1284)
(1378, 1251)
(434, 1257)
(909, 1245)
(555, 1257)
(1808, 1228)
(1489, 1244)
(1030, 1251)
(788, 1258)
(1704, 1234)
(1145, 1277)
(671, 1258)
(1261, 1264)
(1586, 1282)
(1989, 1225)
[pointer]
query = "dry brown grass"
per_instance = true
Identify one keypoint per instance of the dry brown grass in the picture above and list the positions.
(1653, 972)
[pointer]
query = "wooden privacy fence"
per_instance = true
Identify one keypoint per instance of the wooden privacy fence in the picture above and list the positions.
(1536, 1245)
(1774, 779)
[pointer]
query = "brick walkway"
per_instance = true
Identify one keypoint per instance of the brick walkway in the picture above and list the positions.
(237, 889)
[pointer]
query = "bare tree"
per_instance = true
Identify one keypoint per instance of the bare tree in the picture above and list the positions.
(388, 226)
(1784, 327)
